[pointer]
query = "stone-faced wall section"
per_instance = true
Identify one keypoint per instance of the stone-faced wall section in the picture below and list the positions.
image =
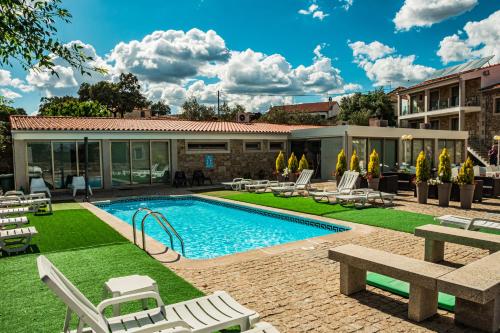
(492, 119)
(236, 163)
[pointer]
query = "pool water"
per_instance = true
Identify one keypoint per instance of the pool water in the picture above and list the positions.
(212, 229)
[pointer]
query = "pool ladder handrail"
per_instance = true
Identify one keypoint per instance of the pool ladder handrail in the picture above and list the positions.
(163, 222)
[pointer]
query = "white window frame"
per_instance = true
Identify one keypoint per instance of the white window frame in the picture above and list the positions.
(208, 151)
(253, 150)
(275, 141)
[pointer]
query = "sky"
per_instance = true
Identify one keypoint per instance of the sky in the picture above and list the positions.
(260, 53)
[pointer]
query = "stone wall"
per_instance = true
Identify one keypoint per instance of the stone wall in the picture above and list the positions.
(491, 119)
(474, 124)
(472, 88)
(236, 163)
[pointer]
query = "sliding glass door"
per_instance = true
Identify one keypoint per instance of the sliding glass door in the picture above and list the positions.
(120, 163)
(160, 162)
(94, 163)
(39, 157)
(141, 168)
(65, 164)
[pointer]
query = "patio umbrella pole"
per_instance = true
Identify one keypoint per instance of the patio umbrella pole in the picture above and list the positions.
(86, 160)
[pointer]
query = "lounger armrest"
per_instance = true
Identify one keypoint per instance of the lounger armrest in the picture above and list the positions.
(10, 198)
(179, 325)
(40, 195)
(129, 298)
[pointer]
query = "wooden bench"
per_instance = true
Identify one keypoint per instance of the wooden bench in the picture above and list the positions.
(476, 287)
(422, 276)
(436, 235)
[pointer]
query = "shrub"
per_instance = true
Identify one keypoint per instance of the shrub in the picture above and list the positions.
(355, 162)
(303, 164)
(341, 166)
(374, 165)
(423, 172)
(280, 162)
(444, 169)
(466, 173)
(293, 164)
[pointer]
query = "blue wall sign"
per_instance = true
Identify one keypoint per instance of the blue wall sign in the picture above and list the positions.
(209, 161)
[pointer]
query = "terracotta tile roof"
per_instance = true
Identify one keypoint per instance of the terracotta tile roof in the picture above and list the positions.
(38, 123)
(306, 107)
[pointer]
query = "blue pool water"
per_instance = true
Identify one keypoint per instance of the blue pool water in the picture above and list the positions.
(212, 229)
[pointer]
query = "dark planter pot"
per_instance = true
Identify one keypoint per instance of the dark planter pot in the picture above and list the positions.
(444, 192)
(373, 183)
(466, 195)
(422, 192)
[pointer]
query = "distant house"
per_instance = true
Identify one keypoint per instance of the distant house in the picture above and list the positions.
(326, 110)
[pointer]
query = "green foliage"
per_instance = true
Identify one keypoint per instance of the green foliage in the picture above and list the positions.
(6, 158)
(303, 164)
(341, 166)
(192, 110)
(374, 165)
(280, 162)
(160, 108)
(28, 36)
(228, 113)
(423, 172)
(71, 106)
(293, 163)
(279, 115)
(358, 108)
(466, 173)
(119, 97)
(444, 169)
(355, 162)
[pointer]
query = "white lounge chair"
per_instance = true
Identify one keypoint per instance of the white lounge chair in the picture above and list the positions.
(263, 327)
(16, 240)
(38, 185)
(346, 184)
(303, 183)
(33, 201)
(261, 186)
(204, 314)
(468, 223)
(237, 184)
(13, 221)
(363, 196)
(78, 183)
(4, 212)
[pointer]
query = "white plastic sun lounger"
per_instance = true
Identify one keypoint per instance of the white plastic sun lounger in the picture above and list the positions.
(302, 183)
(468, 223)
(263, 327)
(237, 184)
(35, 204)
(78, 183)
(261, 186)
(204, 314)
(13, 221)
(15, 211)
(362, 196)
(346, 184)
(19, 236)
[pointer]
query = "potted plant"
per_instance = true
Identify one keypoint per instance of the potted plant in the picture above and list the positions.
(280, 165)
(373, 172)
(355, 167)
(421, 177)
(303, 164)
(444, 175)
(466, 183)
(293, 166)
(341, 166)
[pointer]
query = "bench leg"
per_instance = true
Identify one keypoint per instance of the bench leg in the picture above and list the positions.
(485, 317)
(423, 303)
(352, 279)
(434, 250)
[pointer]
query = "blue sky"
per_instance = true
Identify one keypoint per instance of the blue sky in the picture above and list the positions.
(262, 52)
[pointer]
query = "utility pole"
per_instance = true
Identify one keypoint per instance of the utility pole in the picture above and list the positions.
(218, 104)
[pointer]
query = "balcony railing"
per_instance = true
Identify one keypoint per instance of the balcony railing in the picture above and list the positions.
(473, 101)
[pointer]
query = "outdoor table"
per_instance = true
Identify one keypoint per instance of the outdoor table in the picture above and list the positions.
(127, 285)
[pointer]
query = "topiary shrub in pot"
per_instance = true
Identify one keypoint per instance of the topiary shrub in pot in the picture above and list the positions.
(444, 175)
(423, 173)
(303, 164)
(341, 166)
(293, 166)
(355, 167)
(466, 183)
(280, 165)
(373, 171)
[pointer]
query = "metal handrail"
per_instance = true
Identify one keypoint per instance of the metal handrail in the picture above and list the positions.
(163, 222)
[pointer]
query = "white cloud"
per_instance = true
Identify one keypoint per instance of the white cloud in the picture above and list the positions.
(9, 94)
(347, 4)
(483, 39)
(314, 11)
(419, 13)
(6, 80)
(384, 68)
(352, 87)
(372, 51)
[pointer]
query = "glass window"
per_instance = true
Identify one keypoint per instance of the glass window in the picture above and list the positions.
(377, 145)
(120, 163)
(359, 145)
(212, 146)
(458, 151)
(253, 146)
(450, 146)
(160, 162)
(497, 105)
(141, 169)
(390, 155)
(454, 124)
(40, 162)
(65, 166)
(276, 146)
(418, 146)
(429, 150)
(94, 163)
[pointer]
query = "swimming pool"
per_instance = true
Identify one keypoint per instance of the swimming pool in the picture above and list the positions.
(212, 228)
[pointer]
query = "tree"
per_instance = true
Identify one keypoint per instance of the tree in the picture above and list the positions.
(160, 108)
(341, 166)
(358, 108)
(71, 106)
(28, 36)
(228, 113)
(281, 116)
(293, 163)
(355, 162)
(280, 162)
(303, 164)
(192, 110)
(374, 165)
(6, 158)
